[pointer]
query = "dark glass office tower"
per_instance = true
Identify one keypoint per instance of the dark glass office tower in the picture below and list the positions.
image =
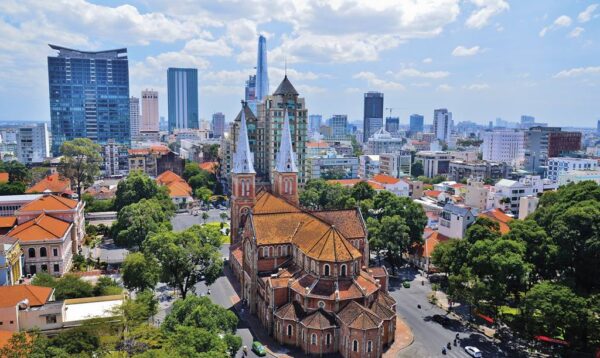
(373, 114)
(182, 87)
(89, 96)
(416, 123)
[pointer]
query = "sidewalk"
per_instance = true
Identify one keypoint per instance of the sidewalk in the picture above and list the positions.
(404, 338)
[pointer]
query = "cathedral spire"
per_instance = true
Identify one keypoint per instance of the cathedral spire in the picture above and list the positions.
(286, 158)
(243, 159)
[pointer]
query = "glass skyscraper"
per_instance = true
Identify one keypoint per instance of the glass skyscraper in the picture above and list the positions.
(262, 75)
(182, 88)
(416, 123)
(373, 114)
(89, 96)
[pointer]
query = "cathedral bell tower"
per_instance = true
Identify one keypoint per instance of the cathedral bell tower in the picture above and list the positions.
(243, 183)
(285, 175)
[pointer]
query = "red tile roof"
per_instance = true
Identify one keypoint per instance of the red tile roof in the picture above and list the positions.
(320, 144)
(176, 185)
(348, 222)
(319, 320)
(11, 295)
(8, 221)
(385, 179)
(432, 193)
(359, 317)
(352, 182)
(4, 179)
(290, 311)
(43, 227)
(49, 203)
(209, 166)
(500, 217)
(52, 183)
(431, 242)
(159, 149)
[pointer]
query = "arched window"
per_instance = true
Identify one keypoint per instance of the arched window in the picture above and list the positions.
(31, 252)
(369, 346)
(343, 269)
(284, 250)
(328, 339)
(271, 251)
(313, 339)
(43, 252)
(355, 345)
(326, 270)
(265, 251)
(280, 250)
(289, 330)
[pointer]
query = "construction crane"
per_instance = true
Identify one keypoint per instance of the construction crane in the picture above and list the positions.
(389, 109)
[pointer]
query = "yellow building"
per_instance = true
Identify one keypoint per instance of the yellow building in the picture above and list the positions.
(11, 261)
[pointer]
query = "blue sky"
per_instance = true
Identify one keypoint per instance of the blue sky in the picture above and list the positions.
(481, 59)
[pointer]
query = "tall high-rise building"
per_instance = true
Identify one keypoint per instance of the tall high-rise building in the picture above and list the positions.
(314, 123)
(265, 130)
(527, 120)
(218, 124)
(149, 111)
(372, 114)
(262, 74)
(598, 127)
(392, 124)
(542, 143)
(183, 98)
(503, 145)
(134, 116)
(33, 143)
(339, 125)
(416, 123)
(442, 124)
(89, 96)
(250, 90)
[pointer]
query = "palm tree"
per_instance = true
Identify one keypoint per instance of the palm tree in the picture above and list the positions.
(224, 217)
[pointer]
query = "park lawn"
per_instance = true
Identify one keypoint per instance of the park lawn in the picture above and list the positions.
(225, 239)
(507, 310)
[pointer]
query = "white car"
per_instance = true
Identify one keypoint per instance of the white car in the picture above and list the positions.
(473, 351)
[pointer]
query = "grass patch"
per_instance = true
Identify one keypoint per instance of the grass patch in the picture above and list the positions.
(225, 239)
(507, 310)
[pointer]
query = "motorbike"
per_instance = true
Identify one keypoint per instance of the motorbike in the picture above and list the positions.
(443, 350)
(419, 306)
(449, 346)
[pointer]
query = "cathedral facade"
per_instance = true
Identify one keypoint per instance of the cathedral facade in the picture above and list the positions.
(305, 274)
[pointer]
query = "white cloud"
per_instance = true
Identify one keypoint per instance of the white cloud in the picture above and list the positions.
(352, 90)
(576, 32)
(586, 15)
(421, 84)
(427, 60)
(477, 87)
(203, 47)
(444, 88)
(466, 51)
(412, 72)
(578, 71)
(376, 83)
(486, 10)
(561, 21)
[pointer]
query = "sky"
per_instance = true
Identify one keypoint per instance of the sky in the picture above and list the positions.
(481, 59)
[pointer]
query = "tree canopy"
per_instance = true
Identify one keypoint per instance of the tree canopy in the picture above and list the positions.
(140, 272)
(136, 221)
(80, 162)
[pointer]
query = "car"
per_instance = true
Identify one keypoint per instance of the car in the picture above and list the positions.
(259, 349)
(406, 284)
(473, 351)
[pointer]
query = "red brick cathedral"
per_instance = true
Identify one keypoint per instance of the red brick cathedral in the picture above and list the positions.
(305, 273)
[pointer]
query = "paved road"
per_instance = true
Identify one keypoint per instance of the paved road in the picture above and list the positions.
(430, 336)
(184, 220)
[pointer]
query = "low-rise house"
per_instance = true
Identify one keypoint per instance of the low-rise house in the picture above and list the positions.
(454, 220)
(499, 217)
(421, 254)
(52, 184)
(11, 203)
(27, 307)
(507, 193)
(47, 244)
(155, 160)
(179, 190)
(477, 195)
(397, 186)
(11, 261)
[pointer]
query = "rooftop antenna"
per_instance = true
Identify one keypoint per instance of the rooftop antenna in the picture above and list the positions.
(285, 65)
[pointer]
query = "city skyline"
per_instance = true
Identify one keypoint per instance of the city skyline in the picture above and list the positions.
(481, 60)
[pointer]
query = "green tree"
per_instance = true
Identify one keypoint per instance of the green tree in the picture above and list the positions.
(394, 233)
(137, 186)
(362, 191)
(187, 257)
(16, 188)
(554, 310)
(224, 217)
(140, 272)
(84, 339)
(210, 153)
(17, 172)
(416, 169)
(43, 279)
(204, 179)
(106, 286)
(191, 169)
(205, 217)
(136, 221)
(25, 344)
(386, 203)
(71, 286)
(80, 162)
(203, 194)
(483, 229)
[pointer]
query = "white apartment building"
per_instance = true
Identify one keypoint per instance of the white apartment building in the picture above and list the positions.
(434, 163)
(442, 124)
(454, 221)
(368, 166)
(558, 165)
(504, 146)
(149, 111)
(507, 193)
(477, 195)
(134, 116)
(33, 143)
(527, 205)
(396, 165)
(383, 142)
(576, 176)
